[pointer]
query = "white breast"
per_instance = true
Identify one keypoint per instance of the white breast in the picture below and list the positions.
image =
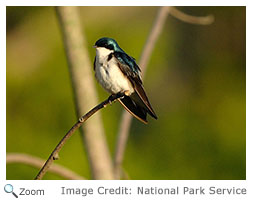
(109, 75)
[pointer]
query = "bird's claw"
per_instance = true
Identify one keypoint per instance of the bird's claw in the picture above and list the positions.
(113, 97)
(127, 93)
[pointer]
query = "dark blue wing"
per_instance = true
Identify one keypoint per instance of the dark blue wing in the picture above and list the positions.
(128, 64)
(129, 67)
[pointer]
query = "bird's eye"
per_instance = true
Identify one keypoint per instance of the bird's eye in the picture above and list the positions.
(110, 47)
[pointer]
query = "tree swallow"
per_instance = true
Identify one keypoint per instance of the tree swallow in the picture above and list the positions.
(118, 72)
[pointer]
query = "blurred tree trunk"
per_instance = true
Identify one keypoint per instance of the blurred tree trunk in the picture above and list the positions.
(84, 92)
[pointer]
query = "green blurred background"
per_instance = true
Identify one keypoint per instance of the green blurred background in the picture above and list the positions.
(196, 82)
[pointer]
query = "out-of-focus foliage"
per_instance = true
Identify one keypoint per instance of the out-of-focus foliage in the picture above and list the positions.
(195, 81)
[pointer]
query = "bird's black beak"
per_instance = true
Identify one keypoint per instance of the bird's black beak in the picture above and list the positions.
(94, 46)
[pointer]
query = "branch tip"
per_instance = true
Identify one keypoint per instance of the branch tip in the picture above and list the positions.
(55, 154)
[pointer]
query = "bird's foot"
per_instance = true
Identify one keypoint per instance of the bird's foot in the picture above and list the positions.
(113, 97)
(127, 93)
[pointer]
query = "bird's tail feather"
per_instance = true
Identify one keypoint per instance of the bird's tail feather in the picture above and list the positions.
(136, 110)
(141, 97)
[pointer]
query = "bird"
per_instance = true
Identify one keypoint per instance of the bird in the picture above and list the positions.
(118, 73)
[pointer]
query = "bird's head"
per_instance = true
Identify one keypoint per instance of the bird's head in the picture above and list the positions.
(107, 43)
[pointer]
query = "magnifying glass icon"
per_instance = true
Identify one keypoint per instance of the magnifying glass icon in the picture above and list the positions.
(8, 188)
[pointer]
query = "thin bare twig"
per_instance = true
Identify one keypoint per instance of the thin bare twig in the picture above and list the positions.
(38, 163)
(54, 154)
(80, 68)
(126, 117)
(205, 20)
